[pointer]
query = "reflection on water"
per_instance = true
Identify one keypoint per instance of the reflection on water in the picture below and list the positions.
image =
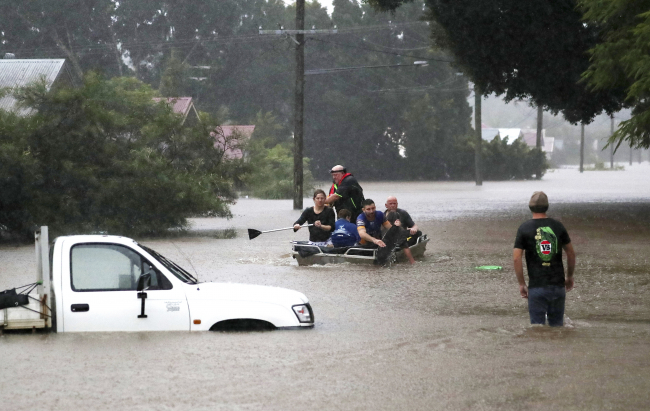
(436, 335)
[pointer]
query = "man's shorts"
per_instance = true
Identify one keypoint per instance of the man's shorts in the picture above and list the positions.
(547, 302)
(408, 239)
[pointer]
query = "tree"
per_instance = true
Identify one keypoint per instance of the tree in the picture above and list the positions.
(531, 49)
(106, 157)
(79, 30)
(620, 61)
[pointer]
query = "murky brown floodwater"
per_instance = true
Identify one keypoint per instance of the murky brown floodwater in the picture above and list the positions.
(439, 335)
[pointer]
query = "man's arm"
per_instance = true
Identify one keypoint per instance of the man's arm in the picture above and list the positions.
(365, 236)
(408, 221)
(571, 265)
(332, 199)
(517, 257)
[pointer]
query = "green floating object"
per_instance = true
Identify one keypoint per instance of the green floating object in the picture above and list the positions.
(489, 267)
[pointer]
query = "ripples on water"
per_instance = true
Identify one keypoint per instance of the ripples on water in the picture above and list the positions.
(436, 335)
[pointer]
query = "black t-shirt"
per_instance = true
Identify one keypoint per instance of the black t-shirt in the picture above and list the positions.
(351, 195)
(543, 239)
(326, 217)
(402, 215)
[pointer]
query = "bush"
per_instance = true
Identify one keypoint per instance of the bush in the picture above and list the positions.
(516, 161)
(272, 171)
(105, 157)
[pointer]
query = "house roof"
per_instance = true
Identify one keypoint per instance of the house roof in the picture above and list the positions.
(19, 73)
(229, 144)
(530, 136)
(511, 133)
(488, 134)
(180, 105)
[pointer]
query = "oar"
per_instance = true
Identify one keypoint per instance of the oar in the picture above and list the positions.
(252, 233)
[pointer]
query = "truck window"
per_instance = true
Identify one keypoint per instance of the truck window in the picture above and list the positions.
(174, 268)
(110, 267)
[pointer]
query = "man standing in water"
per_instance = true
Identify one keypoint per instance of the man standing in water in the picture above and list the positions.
(543, 239)
(346, 193)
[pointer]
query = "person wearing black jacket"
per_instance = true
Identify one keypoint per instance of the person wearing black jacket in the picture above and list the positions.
(346, 193)
(321, 217)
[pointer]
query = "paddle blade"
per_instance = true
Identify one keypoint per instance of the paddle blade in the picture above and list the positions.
(252, 233)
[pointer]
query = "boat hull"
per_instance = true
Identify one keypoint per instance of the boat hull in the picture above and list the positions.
(307, 254)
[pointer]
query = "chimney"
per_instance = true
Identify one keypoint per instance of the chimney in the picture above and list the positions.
(10, 56)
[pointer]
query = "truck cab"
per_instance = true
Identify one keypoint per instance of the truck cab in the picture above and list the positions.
(112, 283)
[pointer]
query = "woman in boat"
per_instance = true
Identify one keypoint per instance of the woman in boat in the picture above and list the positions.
(322, 219)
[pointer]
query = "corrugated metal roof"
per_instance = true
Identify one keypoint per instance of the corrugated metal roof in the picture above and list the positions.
(18, 73)
(180, 105)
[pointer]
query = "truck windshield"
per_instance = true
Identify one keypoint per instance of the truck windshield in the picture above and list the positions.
(174, 268)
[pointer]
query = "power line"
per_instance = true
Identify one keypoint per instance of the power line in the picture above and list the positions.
(92, 48)
(381, 51)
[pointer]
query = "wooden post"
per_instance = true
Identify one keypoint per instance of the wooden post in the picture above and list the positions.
(479, 137)
(582, 146)
(299, 107)
(611, 145)
(540, 119)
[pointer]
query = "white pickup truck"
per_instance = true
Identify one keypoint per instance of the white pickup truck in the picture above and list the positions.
(110, 283)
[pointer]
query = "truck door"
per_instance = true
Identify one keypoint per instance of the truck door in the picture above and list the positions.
(102, 295)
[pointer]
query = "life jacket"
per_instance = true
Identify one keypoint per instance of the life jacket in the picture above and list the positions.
(335, 186)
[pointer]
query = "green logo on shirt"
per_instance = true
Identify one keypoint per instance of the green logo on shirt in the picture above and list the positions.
(546, 243)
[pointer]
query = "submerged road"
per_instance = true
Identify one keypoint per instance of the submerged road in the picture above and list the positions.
(438, 335)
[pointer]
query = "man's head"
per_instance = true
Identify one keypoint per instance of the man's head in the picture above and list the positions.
(391, 203)
(368, 207)
(538, 202)
(345, 214)
(337, 173)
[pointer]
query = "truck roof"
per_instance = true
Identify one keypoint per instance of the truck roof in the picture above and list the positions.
(97, 238)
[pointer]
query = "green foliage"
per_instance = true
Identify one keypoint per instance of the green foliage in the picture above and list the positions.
(536, 50)
(269, 160)
(105, 157)
(173, 82)
(516, 161)
(620, 61)
(272, 175)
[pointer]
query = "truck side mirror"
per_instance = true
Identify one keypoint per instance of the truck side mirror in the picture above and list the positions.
(144, 282)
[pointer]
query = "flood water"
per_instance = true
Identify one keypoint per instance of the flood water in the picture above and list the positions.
(439, 335)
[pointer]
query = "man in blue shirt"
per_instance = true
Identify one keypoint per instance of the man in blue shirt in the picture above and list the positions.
(369, 224)
(345, 233)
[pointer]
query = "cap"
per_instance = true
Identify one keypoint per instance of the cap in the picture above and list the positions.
(337, 169)
(539, 199)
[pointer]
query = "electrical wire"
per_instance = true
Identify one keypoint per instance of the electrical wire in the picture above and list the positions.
(383, 52)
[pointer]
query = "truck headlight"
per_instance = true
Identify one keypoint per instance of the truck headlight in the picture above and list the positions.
(304, 313)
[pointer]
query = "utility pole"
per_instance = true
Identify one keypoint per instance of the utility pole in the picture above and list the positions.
(611, 145)
(298, 125)
(479, 135)
(540, 119)
(582, 146)
(299, 94)
(631, 151)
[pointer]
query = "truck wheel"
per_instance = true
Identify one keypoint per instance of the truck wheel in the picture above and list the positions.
(243, 324)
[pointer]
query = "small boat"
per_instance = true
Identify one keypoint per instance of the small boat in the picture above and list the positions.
(309, 254)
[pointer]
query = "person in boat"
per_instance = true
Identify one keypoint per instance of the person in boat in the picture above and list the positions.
(370, 222)
(345, 193)
(405, 219)
(345, 233)
(322, 219)
(402, 236)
